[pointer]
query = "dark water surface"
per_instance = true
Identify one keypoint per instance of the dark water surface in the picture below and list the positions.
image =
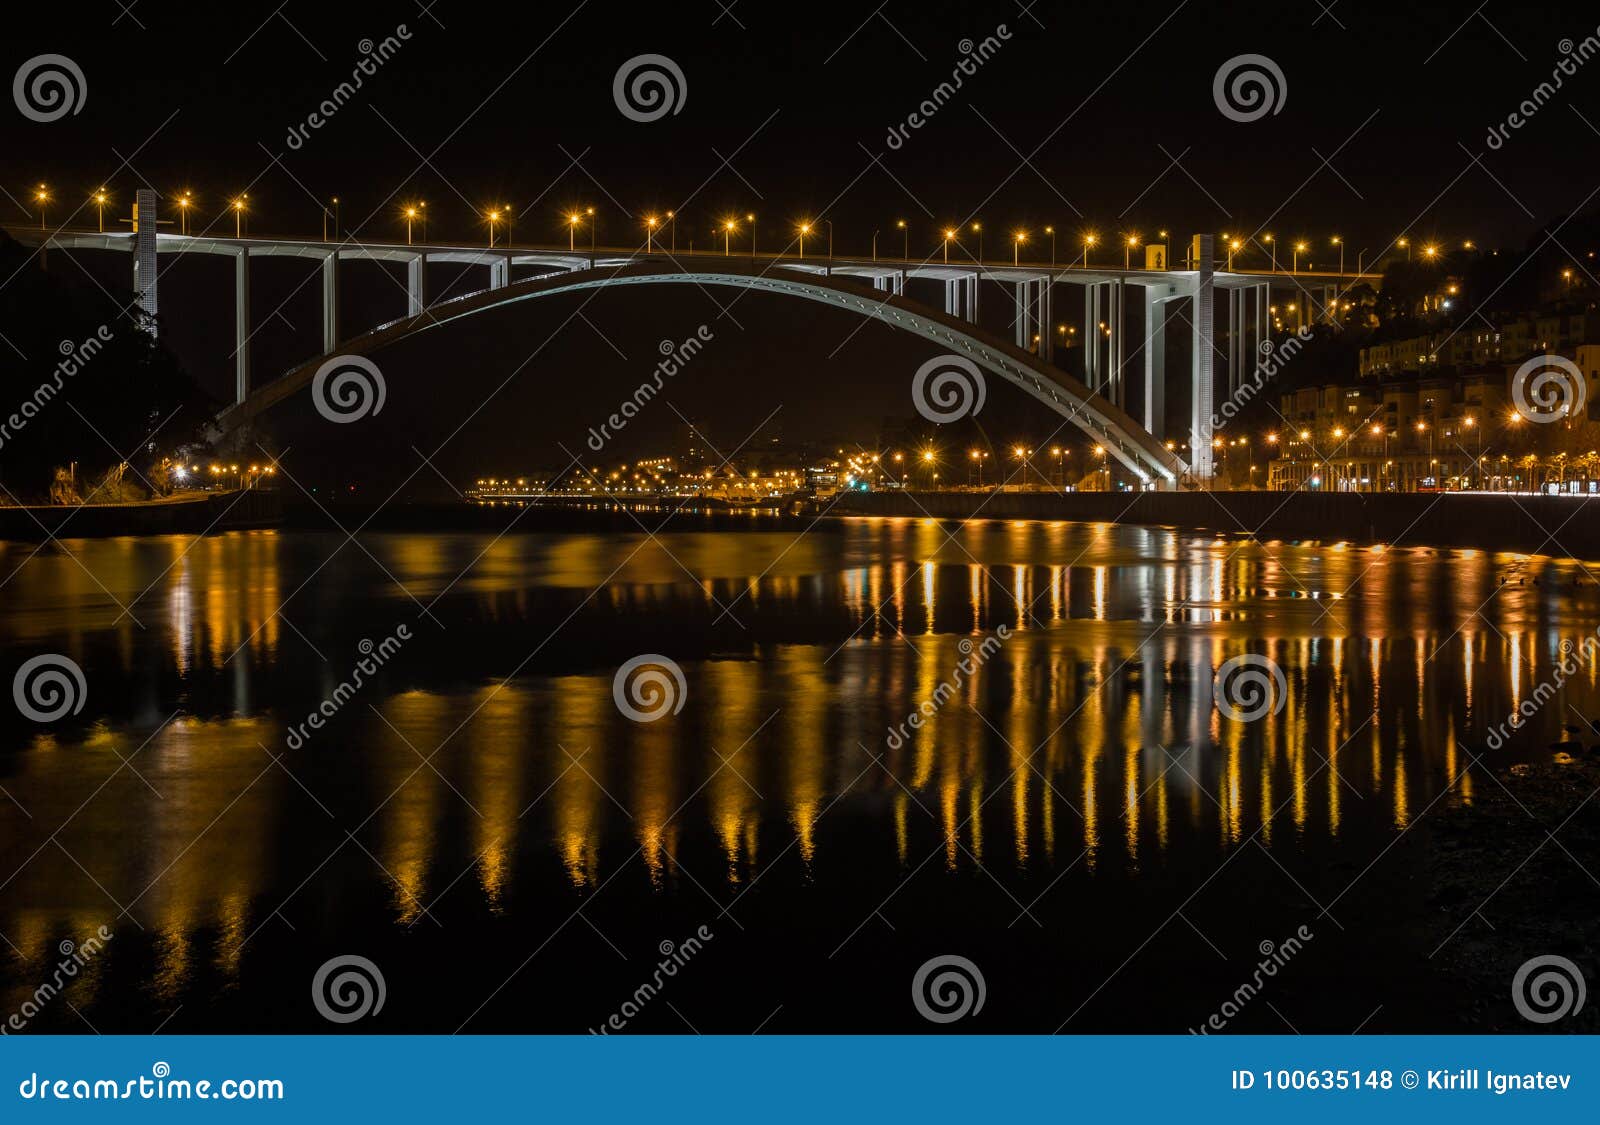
(481, 821)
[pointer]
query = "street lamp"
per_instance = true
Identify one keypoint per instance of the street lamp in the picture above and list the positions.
(494, 217)
(572, 231)
(948, 235)
(589, 212)
(805, 229)
(905, 238)
(1128, 249)
(1430, 252)
(1233, 245)
(1339, 242)
(1272, 249)
(43, 197)
(978, 230)
(507, 212)
(751, 219)
(727, 238)
(672, 221)
(100, 206)
(875, 234)
(1088, 240)
(1405, 244)
(1016, 246)
(411, 214)
(238, 216)
(1051, 231)
(422, 213)
(649, 231)
(1299, 248)
(184, 203)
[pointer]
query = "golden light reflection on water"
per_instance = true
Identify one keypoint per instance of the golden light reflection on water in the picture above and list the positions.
(1097, 710)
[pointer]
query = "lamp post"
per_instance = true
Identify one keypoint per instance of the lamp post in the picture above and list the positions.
(672, 221)
(422, 213)
(978, 229)
(589, 211)
(507, 212)
(1051, 231)
(1088, 241)
(1404, 244)
(184, 202)
(805, 229)
(1016, 246)
(1298, 247)
(649, 232)
(494, 217)
(572, 232)
(100, 206)
(727, 238)
(335, 202)
(1272, 250)
(1131, 243)
(238, 217)
(751, 219)
(874, 246)
(905, 235)
(948, 235)
(43, 197)
(829, 224)
(411, 213)
(1339, 242)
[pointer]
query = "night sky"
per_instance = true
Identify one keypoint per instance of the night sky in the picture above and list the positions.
(1088, 118)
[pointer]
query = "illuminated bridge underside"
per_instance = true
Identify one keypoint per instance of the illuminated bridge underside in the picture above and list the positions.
(1113, 428)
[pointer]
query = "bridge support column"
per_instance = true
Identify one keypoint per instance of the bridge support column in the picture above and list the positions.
(1119, 382)
(1235, 329)
(900, 284)
(241, 325)
(1091, 336)
(1155, 364)
(144, 254)
(330, 302)
(1263, 314)
(1024, 314)
(1047, 339)
(416, 295)
(972, 299)
(1203, 361)
(499, 273)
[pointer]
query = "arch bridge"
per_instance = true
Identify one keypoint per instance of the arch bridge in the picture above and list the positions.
(1098, 403)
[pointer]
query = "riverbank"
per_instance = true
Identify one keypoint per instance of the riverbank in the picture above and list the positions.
(1552, 525)
(1499, 896)
(188, 513)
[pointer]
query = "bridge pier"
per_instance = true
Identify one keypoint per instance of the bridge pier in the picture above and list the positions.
(499, 273)
(330, 302)
(1091, 335)
(145, 272)
(1118, 349)
(1203, 360)
(1155, 362)
(241, 325)
(416, 296)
